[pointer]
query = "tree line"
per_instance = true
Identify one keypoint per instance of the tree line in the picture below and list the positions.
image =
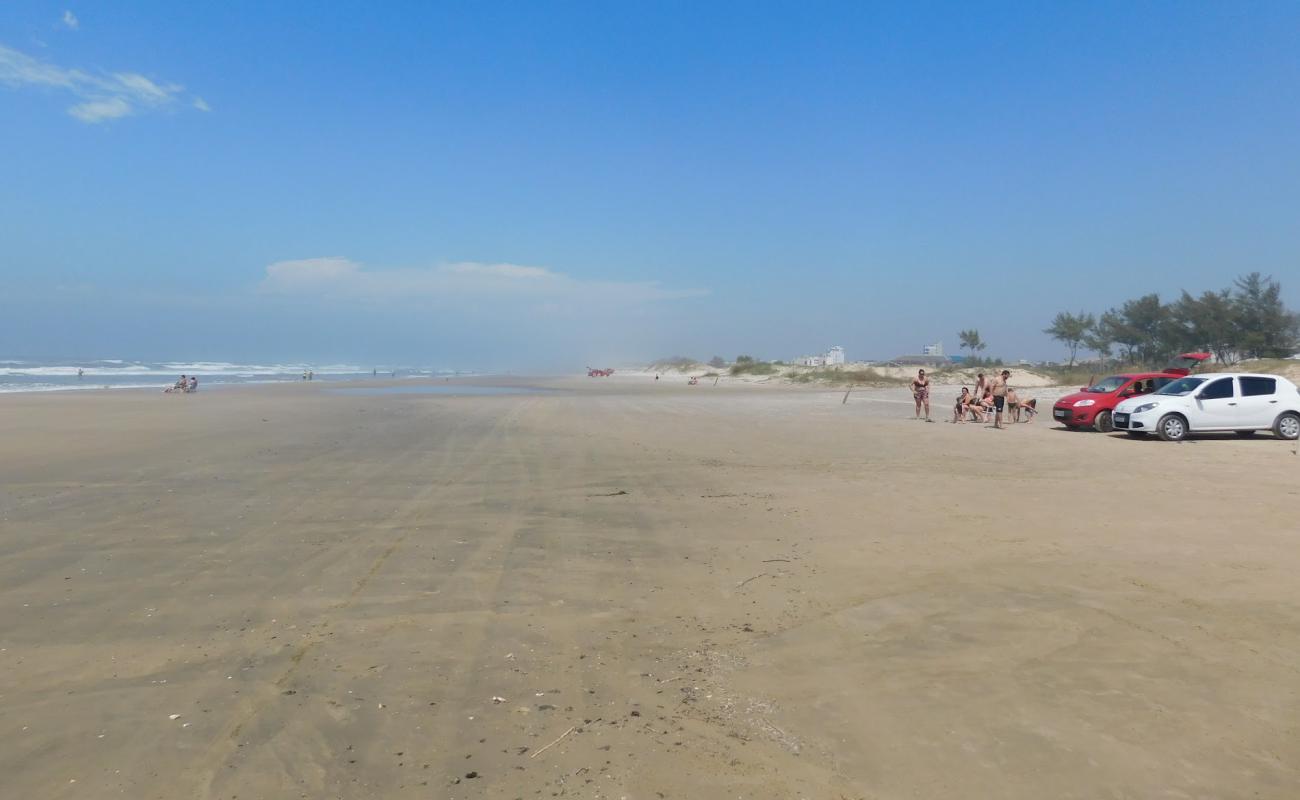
(1246, 320)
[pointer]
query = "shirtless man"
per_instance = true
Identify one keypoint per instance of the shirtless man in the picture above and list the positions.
(921, 394)
(999, 386)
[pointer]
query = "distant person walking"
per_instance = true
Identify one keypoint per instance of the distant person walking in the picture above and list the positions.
(921, 394)
(80, 373)
(999, 397)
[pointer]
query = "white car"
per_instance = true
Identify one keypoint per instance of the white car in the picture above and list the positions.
(1218, 401)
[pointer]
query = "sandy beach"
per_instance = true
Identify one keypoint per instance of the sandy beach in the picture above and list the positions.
(623, 589)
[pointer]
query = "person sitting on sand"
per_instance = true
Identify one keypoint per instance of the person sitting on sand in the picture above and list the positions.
(178, 386)
(921, 394)
(194, 384)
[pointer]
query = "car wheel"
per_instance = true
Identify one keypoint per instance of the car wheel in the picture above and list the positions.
(1137, 434)
(1172, 428)
(1245, 434)
(1103, 422)
(1287, 426)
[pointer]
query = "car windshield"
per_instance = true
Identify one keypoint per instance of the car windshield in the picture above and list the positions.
(1108, 385)
(1182, 386)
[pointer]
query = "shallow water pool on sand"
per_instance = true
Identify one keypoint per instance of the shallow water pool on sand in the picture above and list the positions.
(462, 390)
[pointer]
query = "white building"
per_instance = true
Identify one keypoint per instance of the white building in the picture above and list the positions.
(830, 358)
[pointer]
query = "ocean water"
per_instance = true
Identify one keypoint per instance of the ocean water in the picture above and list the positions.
(49, 376)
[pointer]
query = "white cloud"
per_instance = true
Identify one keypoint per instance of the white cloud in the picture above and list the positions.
(144, 89)
(340, 278)
(100, 110)
(100, 97)
(70, 20)
(201, 104)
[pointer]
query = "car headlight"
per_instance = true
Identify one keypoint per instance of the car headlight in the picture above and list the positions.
(1145, 407)
(1083, 403)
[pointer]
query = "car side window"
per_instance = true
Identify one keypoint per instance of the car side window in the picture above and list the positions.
(1160, 383)
(1218, 390)
(1254, 387)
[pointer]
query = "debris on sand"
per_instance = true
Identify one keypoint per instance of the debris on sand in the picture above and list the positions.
(552, 744)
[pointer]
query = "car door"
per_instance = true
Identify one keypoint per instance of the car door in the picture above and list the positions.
(1259, 400)
(1215, 406)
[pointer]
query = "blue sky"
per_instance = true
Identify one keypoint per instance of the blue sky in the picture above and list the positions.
(516, 185)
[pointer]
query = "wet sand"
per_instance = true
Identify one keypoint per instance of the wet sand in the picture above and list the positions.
(626, 589)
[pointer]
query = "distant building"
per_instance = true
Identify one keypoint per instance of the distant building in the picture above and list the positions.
(935, 349)
(832, 357)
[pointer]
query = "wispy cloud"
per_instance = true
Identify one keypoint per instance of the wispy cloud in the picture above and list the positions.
(100, 97)
(70, 20)
(341, 278)
(100, 110)
(201, 104)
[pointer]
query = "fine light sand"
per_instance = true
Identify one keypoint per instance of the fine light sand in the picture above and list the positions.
(740, 592)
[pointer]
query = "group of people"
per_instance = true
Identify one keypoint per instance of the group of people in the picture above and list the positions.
(186, 385)
(991, 398)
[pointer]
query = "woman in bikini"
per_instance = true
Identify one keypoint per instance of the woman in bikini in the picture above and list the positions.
(959, 408)
(921, 393)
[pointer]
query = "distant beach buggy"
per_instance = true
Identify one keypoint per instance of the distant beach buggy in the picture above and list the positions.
(1094, 406)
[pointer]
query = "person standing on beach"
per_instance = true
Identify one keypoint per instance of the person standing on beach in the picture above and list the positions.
(921, 393)
(999, 397)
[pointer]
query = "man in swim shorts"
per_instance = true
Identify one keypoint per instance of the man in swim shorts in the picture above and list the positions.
(999, 397)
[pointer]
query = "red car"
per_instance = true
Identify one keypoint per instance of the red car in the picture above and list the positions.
(1091, 406)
